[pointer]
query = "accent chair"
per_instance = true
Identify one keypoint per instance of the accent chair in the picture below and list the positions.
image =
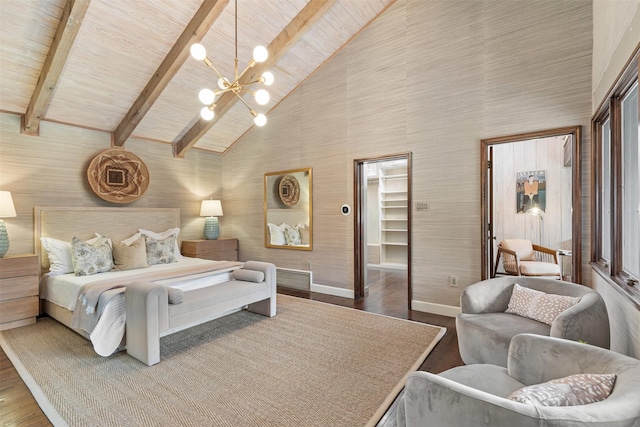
(478, 395)
(485, 329)
(522, 258)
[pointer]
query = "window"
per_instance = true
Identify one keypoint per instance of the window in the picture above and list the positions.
(616, 190)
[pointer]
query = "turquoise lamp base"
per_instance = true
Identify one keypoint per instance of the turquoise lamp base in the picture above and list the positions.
(211, 228)
(4, 239)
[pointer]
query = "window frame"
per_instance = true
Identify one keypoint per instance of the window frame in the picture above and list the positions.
(610, 109)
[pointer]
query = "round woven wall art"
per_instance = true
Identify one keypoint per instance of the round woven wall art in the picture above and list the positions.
(289, 190)
(118, 176)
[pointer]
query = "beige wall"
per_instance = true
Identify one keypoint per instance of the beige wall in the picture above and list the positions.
(50, 170)
(433, 78)
(616, 32)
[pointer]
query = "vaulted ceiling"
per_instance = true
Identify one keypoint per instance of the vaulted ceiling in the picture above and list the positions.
(123, 66)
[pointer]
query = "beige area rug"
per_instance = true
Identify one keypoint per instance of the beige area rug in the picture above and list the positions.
(314, 364)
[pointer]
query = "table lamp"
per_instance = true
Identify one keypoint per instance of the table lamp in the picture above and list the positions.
(211, 209)
(7, 210)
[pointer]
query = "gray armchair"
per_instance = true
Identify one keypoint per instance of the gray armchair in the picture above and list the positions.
(477, 395)
(485, 330)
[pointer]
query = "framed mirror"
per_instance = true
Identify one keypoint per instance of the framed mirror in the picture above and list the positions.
(288, 209)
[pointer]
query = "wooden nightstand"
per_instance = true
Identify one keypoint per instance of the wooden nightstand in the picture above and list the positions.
(19, 303)
(217, 250)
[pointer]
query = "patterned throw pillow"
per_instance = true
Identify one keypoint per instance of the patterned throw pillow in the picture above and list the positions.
(160, 251)
(292, 235)
(579, 389)
(91, 258)
(538, 305)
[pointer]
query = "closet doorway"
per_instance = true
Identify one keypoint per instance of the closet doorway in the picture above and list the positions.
(382, 220)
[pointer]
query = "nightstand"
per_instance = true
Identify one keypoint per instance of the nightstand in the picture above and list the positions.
(217, 250)
(19, 303)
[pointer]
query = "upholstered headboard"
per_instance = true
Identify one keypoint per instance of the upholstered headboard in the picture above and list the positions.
(64, 223)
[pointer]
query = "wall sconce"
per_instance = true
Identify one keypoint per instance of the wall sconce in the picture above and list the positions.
(211, 209)
(7, 210)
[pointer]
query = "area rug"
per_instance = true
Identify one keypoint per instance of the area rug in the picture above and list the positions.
(314, 364)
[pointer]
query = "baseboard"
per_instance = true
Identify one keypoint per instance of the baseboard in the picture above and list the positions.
(440, 309)
(331, 290)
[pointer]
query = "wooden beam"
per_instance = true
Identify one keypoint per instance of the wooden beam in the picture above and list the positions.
(209, 11)
(68, 27)
(307, 17)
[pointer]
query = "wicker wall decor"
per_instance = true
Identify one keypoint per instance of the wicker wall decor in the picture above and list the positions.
(289, 190)
(118, 176)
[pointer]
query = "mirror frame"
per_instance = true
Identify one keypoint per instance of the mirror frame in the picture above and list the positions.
(273, 195)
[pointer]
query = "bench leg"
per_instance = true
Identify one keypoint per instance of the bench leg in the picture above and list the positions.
(266, 307)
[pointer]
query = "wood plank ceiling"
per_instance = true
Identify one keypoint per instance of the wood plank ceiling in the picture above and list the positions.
(123, 66)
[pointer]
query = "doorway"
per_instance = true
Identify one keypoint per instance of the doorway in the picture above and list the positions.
(551, 217)
(382, 221)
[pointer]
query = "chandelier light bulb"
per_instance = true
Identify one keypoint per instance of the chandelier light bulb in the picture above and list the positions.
(198, 51)
(262, 96)
(260, 120)
(267, 78)
(223, 83)
(207, 96)
(260, 54)
(206, 113)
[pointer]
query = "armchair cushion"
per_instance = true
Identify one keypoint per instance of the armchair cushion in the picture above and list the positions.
(538, 268)
(578, 389)
(538, 305)
(522, 247)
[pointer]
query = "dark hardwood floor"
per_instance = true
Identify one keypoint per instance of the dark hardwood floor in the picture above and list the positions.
(387, 295)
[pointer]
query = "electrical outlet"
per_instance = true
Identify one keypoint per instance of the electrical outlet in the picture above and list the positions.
(453, 281)
(309, 265)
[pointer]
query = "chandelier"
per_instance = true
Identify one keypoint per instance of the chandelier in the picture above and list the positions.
(208, 96)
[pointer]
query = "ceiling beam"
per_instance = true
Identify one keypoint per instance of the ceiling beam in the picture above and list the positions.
(209, 11)
(68, 27)
(299, 25)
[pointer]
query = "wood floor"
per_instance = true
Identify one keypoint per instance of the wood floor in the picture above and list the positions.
(387, 295)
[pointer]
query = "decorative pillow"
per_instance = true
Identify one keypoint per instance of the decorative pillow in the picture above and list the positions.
(304, 234)
(160, 251)
(175, 295)
(277, 234)
(249, 275)
(129, 257)
(162, 236)
(59, 254)
(91, 258)
(579, 389)
(292, 235)
(538, 305)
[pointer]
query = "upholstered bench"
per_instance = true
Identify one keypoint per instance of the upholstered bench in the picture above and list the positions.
(154, 310)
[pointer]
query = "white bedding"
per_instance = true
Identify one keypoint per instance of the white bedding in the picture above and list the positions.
(108, 333)
(63, 289)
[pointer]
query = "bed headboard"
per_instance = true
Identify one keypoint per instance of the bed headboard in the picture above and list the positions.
(64, 223)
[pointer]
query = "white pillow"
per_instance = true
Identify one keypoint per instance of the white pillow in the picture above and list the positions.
(129, 240)
(59, 254)
(277, 234)
(162, 236)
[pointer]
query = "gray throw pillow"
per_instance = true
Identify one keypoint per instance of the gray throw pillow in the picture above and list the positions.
(91, 258)
(160, 251)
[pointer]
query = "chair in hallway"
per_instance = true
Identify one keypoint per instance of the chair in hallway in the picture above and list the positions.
(522, 258)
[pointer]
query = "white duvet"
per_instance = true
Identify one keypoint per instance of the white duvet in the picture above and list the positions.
(106, 337)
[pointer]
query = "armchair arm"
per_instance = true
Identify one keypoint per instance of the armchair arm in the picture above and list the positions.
(429, 399)
(515, 256)
(586, 321)
(487, 296)
(535, 359)
(548, 251)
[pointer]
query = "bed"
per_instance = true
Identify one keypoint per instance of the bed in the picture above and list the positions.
(63, 295)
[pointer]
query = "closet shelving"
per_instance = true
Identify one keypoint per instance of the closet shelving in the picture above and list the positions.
(393, 218)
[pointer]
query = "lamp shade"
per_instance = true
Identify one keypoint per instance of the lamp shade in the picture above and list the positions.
(7, 209)
(211, 208)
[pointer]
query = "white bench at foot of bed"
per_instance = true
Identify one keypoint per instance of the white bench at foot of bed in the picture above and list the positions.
(150, 315)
